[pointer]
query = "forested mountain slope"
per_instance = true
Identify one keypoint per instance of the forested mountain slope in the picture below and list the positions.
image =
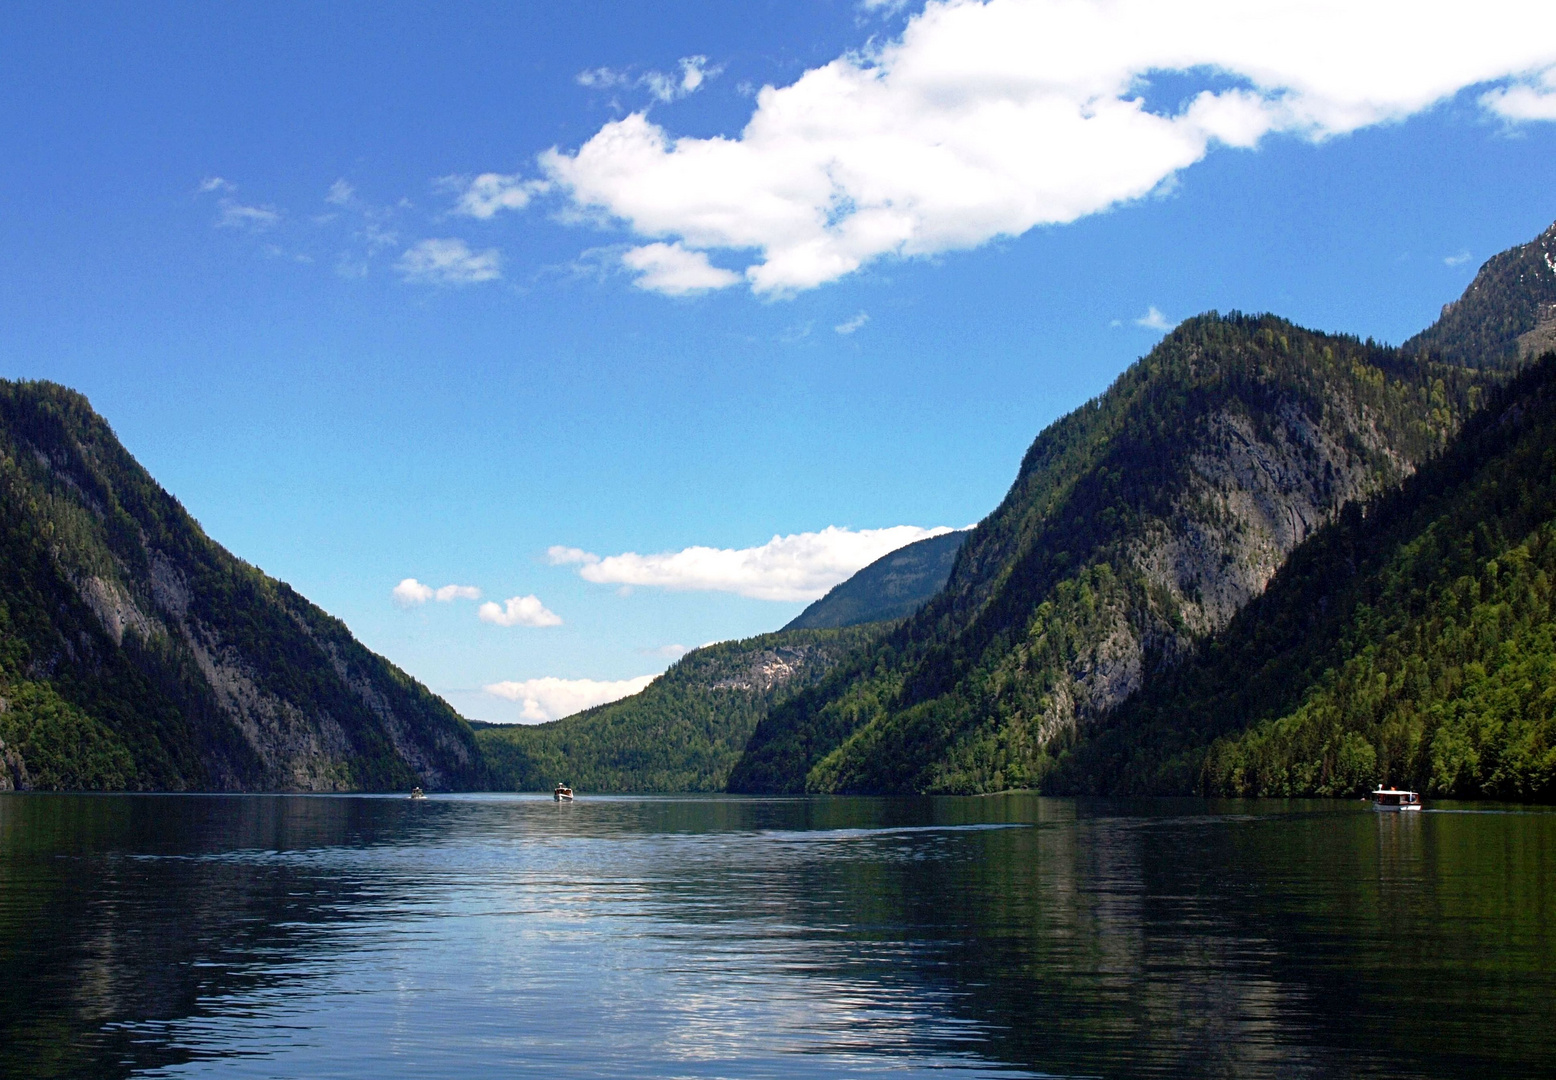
(1507, 314)
(892, 587)
(1414, 644)
(137, 653)
(1137, 525)
(684, 731)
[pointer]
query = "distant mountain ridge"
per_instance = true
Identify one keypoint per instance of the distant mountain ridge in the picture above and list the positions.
(1507, 315)
(137, 653)
(892, 587)
(688, 728)
(683, 732)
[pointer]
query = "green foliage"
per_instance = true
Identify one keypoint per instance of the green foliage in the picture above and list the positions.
(684, 732)
(45, 742)
(975, 692)
(1409, 644)
(114, 599)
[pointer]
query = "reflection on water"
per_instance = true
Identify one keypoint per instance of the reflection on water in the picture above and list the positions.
(482, 935)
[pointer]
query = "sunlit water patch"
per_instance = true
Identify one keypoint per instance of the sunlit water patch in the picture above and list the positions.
(712, 937)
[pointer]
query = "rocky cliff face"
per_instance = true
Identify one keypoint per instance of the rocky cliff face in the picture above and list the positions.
(1249, 493)
(1411, 641)
(1138, 525)
(763, 670)
(179, 665)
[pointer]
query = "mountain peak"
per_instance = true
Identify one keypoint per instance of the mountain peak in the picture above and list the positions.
(1506, 316)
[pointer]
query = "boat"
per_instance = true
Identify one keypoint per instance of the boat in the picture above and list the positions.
(1395, 799)
(417, 793)
(562, 793)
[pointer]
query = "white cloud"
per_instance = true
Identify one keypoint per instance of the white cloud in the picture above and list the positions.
(691, 73)
(694, 72)
(235, 215)
(340, 194)
(987, 119)
(376, 237)
(603, 78)
(213, 183)
(449, 262)
(668, 652)
(551, 698)
(848, 326)
(411, 592)
(1531, 99)
(1457, 260)
(673, 270)
(1154, 320)
(490, 192)
(802, 566)
(519, 611)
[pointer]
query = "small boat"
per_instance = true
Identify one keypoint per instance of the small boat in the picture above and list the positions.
(417, 793)
(1395, 799)
(562, 793)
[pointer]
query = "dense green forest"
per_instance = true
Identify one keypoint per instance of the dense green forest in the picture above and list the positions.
(683, 732)
(1137, 525)
(1413, 641)
(137, 653)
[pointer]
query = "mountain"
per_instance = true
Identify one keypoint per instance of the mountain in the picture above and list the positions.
(137, 653)
(1137, 526)
(892, 587)
(1508, 313)
(686, 730)
(1412, 641)
(683, 732)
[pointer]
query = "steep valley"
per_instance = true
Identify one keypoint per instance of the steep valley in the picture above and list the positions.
(1267, 560)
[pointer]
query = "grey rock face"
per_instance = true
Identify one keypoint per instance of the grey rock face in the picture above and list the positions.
(1250, 499)
(215, 675)
(767, 669)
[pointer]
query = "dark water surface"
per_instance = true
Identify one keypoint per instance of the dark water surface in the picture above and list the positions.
(508, 936)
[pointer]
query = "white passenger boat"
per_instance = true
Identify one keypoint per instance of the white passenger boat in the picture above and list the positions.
(562, 793)
(417, 793)
(1395, 799)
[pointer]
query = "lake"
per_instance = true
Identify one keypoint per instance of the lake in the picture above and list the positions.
(507, 935)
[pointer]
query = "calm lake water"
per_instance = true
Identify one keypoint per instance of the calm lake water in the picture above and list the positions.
(490, 936)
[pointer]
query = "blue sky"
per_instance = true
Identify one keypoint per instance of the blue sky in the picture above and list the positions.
(258, 238)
